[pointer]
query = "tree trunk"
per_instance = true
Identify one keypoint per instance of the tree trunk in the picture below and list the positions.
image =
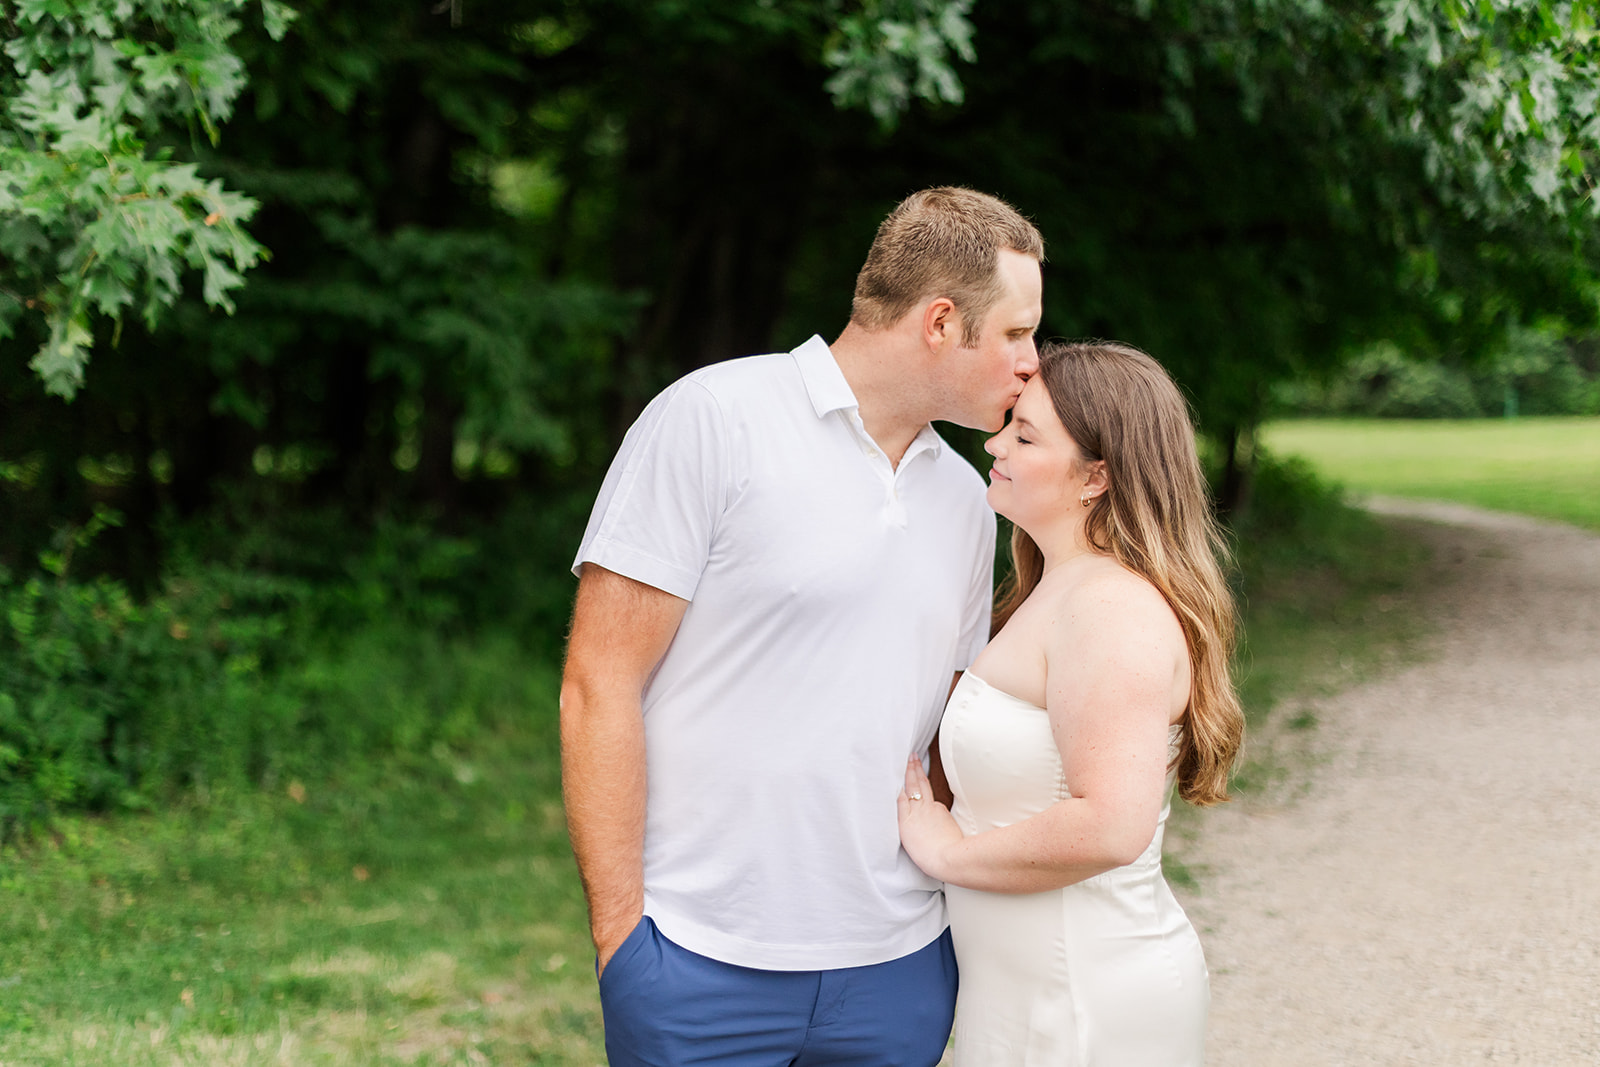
(1238, 469)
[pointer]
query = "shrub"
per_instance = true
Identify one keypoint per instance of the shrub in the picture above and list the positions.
(103, 699)
(1536, 375)
(1386, 383)
(1538, 372)
(354, 649)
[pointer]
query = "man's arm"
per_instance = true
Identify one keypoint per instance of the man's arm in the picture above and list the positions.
(620, 630)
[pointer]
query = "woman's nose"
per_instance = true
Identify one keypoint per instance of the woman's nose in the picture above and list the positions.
(993, 446)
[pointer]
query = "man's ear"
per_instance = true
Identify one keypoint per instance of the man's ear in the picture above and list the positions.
(941, 323)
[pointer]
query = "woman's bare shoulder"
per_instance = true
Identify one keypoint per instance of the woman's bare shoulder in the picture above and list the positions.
(1107, 598)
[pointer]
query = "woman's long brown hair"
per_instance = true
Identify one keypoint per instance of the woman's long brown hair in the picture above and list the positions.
(1155, 519)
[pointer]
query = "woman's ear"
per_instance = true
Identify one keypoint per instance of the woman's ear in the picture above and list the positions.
(1096, 480)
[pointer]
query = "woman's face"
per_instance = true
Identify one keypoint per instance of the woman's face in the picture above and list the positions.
(1039, 472)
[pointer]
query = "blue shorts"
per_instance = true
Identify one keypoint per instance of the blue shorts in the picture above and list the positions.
(665, 1006)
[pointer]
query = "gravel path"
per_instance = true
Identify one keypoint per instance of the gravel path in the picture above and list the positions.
(1427, 888)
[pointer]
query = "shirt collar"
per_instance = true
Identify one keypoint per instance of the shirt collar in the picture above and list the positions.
(823, 379)
(927, 440)
(829, 391)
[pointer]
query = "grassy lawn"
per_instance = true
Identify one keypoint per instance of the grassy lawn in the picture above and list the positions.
(425, 914)
(430, 913)
(1549, 467)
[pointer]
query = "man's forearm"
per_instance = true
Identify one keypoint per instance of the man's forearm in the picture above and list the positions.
(603, 785)
(620, 630)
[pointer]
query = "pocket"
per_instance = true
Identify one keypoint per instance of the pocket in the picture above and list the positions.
(626, 951)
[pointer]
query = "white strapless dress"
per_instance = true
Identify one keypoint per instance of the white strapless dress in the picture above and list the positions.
(1104, 973)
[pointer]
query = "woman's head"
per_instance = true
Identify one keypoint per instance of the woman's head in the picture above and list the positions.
(1123, 411)
(1041, 477)
(1117, 435)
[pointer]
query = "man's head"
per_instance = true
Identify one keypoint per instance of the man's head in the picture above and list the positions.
(960, 271)
(941, 242)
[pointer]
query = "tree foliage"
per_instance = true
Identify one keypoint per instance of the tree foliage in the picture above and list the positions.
(1502, 99)
(894, 50)
(91, 218)
(99, 218)
(497, 229)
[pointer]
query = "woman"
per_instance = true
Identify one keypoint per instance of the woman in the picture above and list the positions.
(1106, 682)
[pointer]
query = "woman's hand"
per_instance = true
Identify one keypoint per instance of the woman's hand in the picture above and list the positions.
(927, 829)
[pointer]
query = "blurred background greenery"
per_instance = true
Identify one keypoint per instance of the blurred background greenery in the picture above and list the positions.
(322, 321)
(1547, 466)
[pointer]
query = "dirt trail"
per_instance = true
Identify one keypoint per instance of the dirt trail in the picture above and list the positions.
(1427, 890)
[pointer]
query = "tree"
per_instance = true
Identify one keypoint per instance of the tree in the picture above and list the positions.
(91, 219)
(497, 229)
(436, 187)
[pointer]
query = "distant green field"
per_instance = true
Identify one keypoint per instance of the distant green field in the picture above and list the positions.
(1549, 467)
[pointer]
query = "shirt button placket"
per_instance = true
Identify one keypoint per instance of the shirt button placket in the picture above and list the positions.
(896, 510)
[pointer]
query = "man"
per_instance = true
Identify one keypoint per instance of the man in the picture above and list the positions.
(783, 570)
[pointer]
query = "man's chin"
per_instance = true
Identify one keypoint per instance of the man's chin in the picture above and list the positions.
(987, 421)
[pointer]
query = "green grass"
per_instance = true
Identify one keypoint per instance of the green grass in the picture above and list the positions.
(1547, 467)
(428, 912)
(1328, 595)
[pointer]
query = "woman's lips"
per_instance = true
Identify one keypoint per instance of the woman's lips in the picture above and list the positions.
(994, 473)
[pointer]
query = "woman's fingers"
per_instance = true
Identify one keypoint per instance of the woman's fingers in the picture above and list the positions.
(917, 784)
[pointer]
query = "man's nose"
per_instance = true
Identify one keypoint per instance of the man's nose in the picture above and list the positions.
(1028, 365)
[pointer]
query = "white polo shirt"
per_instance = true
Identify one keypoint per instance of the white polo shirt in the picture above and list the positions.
(831, 597)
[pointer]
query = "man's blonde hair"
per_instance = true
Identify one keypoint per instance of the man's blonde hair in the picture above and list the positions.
(941, 242)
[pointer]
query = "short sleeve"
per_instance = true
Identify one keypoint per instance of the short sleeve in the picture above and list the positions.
(980, 598)
(661, 500)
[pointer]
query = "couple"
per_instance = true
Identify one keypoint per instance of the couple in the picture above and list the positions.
(787, 581)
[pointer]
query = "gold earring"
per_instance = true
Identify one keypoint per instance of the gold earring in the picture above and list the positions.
(1086, 501)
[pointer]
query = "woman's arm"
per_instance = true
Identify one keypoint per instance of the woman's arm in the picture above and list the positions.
(1116, 670)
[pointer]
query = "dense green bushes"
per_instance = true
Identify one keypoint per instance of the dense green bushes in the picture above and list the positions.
(295, 653)
(1537, 373)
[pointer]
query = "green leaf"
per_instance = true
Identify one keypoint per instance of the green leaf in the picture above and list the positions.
(276, 16)
(896, 49)
(219, 278)
(60, 360)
